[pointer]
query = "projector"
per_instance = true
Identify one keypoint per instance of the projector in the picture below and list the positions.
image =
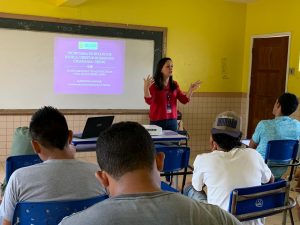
(153, 129)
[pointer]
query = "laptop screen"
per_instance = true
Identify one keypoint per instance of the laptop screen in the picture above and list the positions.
(95, 125)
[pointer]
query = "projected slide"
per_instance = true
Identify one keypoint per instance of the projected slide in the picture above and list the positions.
(88, 66)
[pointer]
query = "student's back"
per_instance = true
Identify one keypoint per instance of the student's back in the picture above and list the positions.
(21, 142)
(59, 177)
(130, 172)
(21, 145)
(50, 181)
(228, 166)
(280, 128)
(152, 209)
(224, 171)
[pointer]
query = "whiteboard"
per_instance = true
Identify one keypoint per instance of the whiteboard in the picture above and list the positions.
(27, 63)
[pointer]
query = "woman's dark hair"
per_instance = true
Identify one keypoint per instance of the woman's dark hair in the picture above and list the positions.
(288, 103)
(158, 76)
(227, 142)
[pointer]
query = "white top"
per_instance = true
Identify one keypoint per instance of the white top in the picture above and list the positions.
(222, 172)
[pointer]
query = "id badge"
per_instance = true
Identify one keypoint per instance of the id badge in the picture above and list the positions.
(169, 109)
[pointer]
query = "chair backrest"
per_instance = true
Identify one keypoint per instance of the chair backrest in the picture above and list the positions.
(282, 150)
(280, 155)
(15, 162)
(166, 187)
(52, 212)
(176, 157)
(260, 201)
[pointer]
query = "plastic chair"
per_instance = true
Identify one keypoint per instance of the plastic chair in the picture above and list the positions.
(176, 159)
(51, 212)
(166, 187)
(285, 153)
(15, 162)
(261, 201)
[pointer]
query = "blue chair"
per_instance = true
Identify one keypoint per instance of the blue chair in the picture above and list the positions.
(166, 187)
(15, 162)
(176, 159)
(51, 212)
(261, 201)
(280, 155)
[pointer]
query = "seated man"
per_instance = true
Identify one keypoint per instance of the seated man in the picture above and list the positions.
(21, 145)
(280, 128)
(129, 170)
(21, 142)
(59, 177)
(228, 166)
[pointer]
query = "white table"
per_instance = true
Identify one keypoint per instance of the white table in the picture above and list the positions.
(89, 144)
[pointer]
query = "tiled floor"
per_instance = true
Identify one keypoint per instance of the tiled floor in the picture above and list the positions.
(272, 220)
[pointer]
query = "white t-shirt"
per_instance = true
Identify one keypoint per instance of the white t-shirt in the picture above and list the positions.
(222, 172)
(51, 180)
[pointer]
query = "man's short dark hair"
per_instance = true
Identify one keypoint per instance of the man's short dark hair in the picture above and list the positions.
(125, 147)
(49, 127)
(288, 103)
(226, 142)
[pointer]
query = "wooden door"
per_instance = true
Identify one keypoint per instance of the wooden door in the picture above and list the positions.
(268, 78)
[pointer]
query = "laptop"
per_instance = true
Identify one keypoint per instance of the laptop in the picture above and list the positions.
(94, 126)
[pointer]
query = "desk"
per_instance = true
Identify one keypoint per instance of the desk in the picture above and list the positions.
(89, 144)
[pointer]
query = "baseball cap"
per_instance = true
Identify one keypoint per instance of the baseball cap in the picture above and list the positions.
(227, 123)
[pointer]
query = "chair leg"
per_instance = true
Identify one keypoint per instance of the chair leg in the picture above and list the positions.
(176, 182)
(169, 178)
(291, 216)
(291, 174)
(284, 218)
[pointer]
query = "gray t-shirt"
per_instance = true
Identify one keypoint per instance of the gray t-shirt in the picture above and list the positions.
(50, 181)
(152, 209)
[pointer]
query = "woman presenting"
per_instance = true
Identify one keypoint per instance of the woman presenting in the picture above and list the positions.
(161, 93)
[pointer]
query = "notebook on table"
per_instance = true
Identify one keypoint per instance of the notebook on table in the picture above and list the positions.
(94, 126)
(246, 141)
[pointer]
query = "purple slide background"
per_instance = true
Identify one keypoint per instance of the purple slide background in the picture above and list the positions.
(86, 71)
